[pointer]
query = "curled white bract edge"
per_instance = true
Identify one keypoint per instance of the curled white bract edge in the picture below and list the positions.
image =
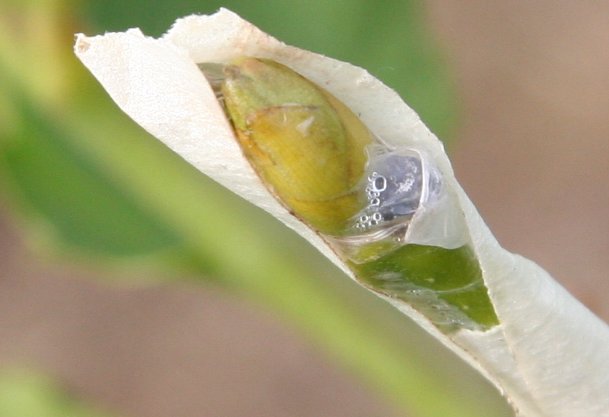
(549, 356)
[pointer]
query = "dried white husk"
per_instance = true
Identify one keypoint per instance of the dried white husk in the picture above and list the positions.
(549, 356)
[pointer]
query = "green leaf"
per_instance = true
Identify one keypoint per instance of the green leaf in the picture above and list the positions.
(444, 284)
(80, 203)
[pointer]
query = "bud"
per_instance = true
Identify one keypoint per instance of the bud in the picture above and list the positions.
(307, 147)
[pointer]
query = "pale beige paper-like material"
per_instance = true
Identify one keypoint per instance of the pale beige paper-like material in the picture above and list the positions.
(549, 356)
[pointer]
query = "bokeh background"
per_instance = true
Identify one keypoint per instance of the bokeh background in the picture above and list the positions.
(130, 285)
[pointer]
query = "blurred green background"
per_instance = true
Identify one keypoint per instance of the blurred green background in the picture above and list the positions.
(137, 285)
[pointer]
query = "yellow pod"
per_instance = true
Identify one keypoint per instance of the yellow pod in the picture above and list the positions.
(306, 146)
